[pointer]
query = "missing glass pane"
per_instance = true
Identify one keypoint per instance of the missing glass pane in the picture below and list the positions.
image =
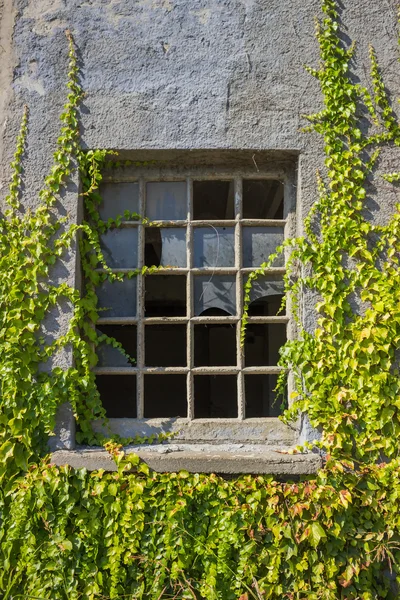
(112, 357)
(259, 243)
(117, 298)
(117, 198)
(165, 247)
(165, 396)
(216, 293)
(118, 395)
(266, 297)
(214, 345)
(261, 399)
(213, 200)
(214, 247)
(165, 346)
(165, 295)
(262, 199)
(166, 201)
(215, 396)
(262, 343)
(120, 247)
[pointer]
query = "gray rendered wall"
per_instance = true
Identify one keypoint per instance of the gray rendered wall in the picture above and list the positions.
(179, 74)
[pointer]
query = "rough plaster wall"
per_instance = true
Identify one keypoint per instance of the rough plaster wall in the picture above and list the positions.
(187, 74)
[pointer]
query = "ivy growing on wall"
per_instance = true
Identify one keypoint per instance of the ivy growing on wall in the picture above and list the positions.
(68, 534)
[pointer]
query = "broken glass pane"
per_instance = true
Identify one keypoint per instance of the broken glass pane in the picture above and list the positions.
(214, 293)
(118, 298)
(262, 199)
(261, 400)
(266, 296)
(112, 357)
(213, 200)
(214, 247)
(165, 396)
(214, 345)
(215, 396)
(117, 198)
(165, 345)
(259, 243)
(120, 247)
(166, 201)
(262, 344)
(165, 295)
(118, 395)
(166, 247)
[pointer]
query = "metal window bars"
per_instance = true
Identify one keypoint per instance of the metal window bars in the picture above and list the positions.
(216, 250)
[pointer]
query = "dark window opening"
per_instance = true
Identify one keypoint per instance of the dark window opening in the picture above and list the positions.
(215, 312)
(118, 395)
(262, 344)
(165, 396)
(261, 399)
(112, 357)
(266, 296)
(165, 295)
(215, 396)
(267, 306)
(213, 200)
(214, 345)
(165, 345)
(262, 199)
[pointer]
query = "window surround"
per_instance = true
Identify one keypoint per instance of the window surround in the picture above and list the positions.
(229, 434)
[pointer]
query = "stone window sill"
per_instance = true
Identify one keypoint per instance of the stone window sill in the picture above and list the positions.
(226, 459)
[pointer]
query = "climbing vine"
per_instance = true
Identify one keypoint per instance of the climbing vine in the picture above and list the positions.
(69, 534)
(346, 370)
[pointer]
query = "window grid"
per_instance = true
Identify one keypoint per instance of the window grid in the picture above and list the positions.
(240, 370)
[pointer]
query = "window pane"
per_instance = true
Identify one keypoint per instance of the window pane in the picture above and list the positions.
(214, 247)
(165, 295)
(112, 357)
(165, 247)
(214, 295)
(166, 201)
(118, 197)
(262, 344)
(120, 247)
(165, 345)
(259, 243)
(261, 400)
(266, 296)
(118, 395)
(118, 298)
(262, 199)
(165, 396)
(213, 200)
(215, 396)
(214, 345)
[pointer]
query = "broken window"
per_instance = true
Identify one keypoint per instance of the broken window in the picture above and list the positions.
(179, 325)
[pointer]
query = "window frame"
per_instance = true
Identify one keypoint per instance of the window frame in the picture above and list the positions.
(256, 429)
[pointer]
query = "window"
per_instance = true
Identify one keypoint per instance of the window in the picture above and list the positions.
(207, 229)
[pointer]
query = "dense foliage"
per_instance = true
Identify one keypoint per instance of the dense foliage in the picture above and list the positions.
(69, 534)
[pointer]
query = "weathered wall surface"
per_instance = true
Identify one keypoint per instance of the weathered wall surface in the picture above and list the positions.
(180, 74)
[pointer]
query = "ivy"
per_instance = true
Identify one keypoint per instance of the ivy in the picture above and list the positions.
(69, 534)
(346, 376)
